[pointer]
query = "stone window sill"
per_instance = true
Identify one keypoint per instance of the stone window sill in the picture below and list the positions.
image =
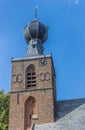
(34, 117)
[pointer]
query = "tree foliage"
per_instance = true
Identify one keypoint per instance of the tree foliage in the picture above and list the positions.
(4, 110)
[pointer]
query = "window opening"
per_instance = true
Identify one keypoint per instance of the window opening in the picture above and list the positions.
(33, 45)
(30, 76)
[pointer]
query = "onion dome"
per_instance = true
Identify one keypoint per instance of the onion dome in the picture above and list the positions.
(35, 34)
(36, 30)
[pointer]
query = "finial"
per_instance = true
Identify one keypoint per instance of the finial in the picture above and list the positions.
(36, 7)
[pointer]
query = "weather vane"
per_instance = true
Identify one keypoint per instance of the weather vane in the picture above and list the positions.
(36, 8)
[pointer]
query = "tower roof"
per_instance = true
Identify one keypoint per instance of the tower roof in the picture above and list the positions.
(36, 30)
(35, 34)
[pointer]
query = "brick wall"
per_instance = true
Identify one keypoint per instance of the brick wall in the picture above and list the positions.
(43, 93)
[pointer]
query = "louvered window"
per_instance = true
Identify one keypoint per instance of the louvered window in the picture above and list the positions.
(30, 76)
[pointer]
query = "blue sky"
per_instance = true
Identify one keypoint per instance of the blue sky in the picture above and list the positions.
(66, 40)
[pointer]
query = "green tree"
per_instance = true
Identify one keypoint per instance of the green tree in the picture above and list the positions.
(4, 110)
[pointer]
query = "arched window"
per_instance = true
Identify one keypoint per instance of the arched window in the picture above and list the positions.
(30, 111)
(30, 76)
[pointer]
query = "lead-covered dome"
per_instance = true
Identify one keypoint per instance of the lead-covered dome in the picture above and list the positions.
(35, 29)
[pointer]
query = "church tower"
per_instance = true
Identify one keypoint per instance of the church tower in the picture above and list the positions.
(33, 90)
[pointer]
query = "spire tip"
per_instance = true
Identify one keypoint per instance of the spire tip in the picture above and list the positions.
(36, 8)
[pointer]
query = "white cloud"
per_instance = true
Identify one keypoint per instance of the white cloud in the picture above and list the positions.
(73, 2)
(76, 1)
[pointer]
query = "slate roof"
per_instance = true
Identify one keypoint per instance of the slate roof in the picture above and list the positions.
(70, 116)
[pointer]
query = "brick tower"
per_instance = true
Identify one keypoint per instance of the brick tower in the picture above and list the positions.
(33, 90)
